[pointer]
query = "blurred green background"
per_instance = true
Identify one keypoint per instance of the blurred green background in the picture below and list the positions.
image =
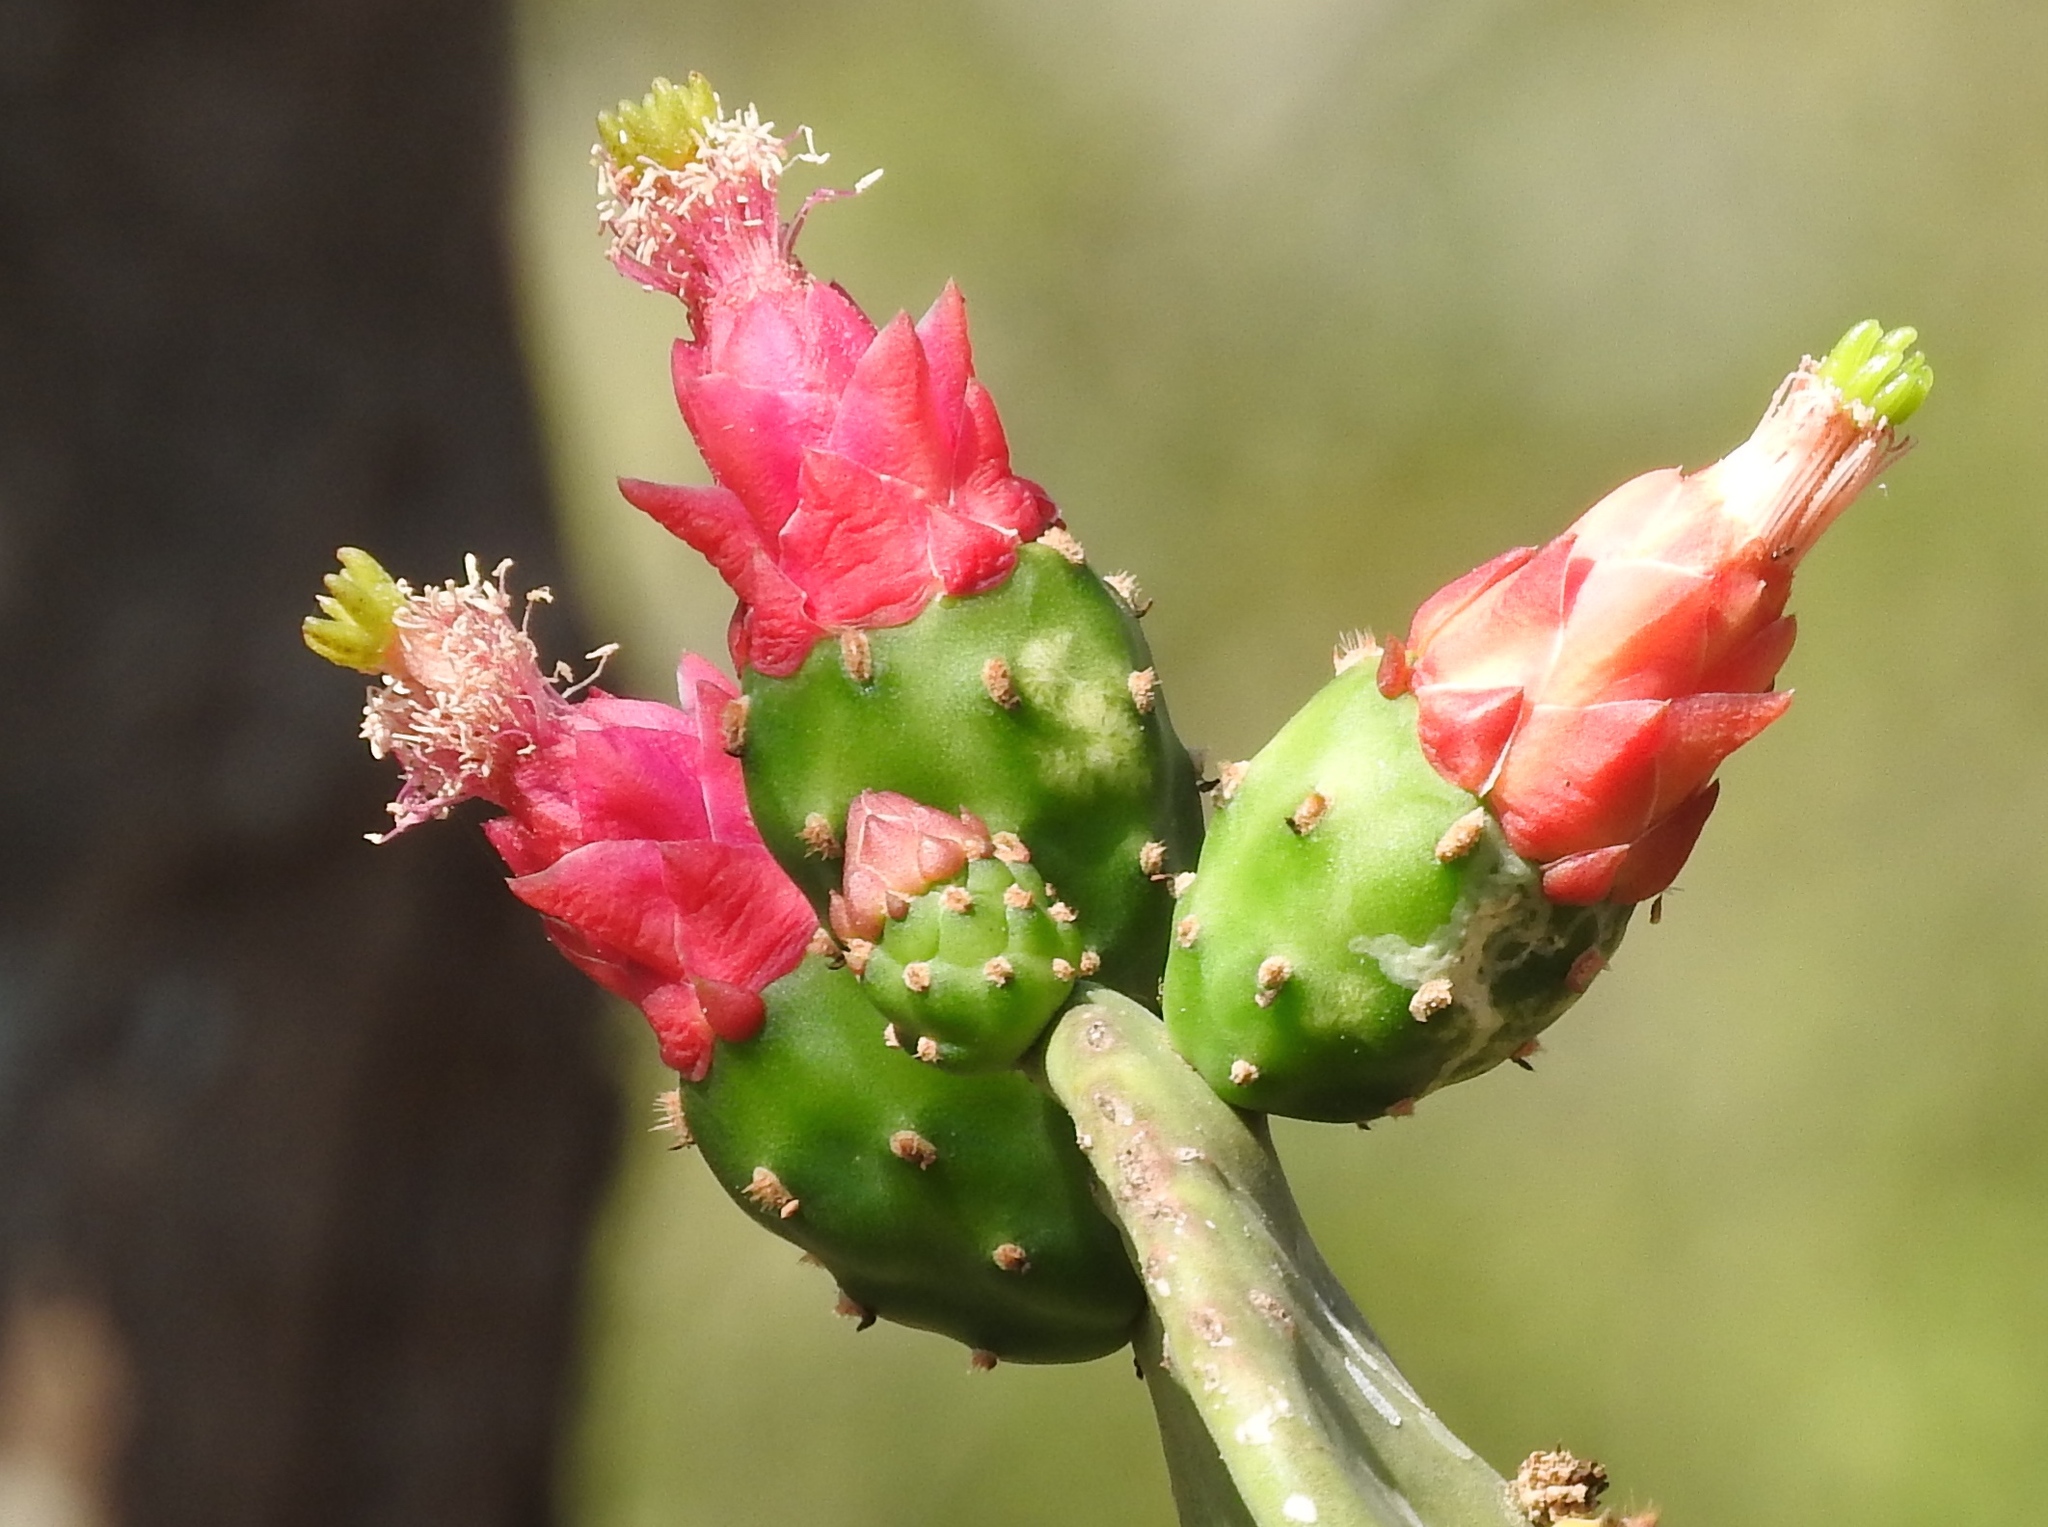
(1300, 309)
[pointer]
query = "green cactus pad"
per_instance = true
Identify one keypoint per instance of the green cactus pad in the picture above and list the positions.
(1033, 706)
(977, 967)
(1327, 963)
(956, 1204)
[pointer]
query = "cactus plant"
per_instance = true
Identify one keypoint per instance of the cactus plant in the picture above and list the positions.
(950, 733)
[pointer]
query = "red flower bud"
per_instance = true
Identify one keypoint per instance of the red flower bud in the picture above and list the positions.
(626, 823)
(1589, 690)
(859, 474)
(897, 849)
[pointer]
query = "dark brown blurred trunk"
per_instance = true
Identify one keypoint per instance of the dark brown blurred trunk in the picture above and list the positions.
(299, 1140)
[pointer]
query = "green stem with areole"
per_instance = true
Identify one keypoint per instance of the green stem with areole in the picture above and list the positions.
(1303, 1410)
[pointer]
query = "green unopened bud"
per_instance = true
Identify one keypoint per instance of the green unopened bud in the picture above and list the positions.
(666, 128)
(354, 627)
(1870, 366)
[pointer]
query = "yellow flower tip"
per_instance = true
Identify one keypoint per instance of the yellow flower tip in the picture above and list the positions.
(667, 127)
(356, 621)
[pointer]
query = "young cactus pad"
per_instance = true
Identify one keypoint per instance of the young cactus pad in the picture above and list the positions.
(1358, 934)
(1034, 706)
(957, 1204)
(975, 969)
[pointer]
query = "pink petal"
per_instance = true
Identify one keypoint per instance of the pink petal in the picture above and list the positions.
(1455, 596)
(1580, 777)
(885, 420)
(1655, 859)
(680, 1028)
(1464, 731)
(858, 545)
(970, 557)
(1705, 729)
(949, 361)
(1582, 879)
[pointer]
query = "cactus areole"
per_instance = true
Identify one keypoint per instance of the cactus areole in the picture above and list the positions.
(911, 618)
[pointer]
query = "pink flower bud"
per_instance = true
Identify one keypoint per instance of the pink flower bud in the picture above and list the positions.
(626, 822)
(897, 849)
(859, 474)
(1589, 690)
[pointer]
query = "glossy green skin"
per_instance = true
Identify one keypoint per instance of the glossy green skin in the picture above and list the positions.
(1075, 769)
(815, 1099)
(977, 1025)
(1337, 1041)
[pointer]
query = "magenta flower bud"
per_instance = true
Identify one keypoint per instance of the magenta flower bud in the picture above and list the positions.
(626, 823)
(859, 474)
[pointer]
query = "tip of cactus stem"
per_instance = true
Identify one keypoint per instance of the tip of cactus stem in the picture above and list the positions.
(666, 127)
(354, 627)
(1870, 365)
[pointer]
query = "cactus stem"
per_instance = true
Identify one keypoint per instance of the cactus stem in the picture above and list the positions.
(1461, 837)
(1187, 930)
(1063, 970)
(1125, 587)
(1181, 884)
(1431, 997)
(890, 1037)
(928, 1050)
(1243, 1073)
(1300, 1417)
(1011, 1258)
(1275, 971)
(1061, 540)
(908, 1145)
(857, 656)
(765, 1191)
(995, 678)
(1090, 962)
(1009, 848)
(1584, 970)
(917, 975)
(1152, 858)
(980, 1360)
(1016, 898)
(1060, 912)
(858, 952)
(732, 726)
(1353, 648)
(820, 841)
(668, 1118)
(999, 970)
(1144, 687)
(956, 899)
(1305, 816)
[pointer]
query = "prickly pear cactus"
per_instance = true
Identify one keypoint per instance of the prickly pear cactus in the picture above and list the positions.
(1359, 934)
(957, 1204)
(1034, 705)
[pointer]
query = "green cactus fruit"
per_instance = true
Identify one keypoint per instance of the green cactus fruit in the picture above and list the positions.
(974, 970)
(956, 1204)
(1358, 933)
(1033, 705)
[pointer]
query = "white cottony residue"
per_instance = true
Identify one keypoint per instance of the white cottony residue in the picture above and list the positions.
(1298, 1508)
